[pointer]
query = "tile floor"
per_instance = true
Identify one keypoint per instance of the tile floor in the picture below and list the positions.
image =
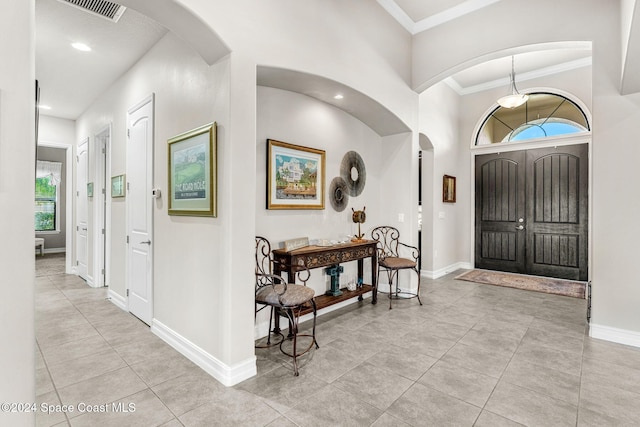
(473, 355)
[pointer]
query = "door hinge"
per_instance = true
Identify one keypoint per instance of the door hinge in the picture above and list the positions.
(128, 133)
(77, 228)
(103, 150)
(127, 186)
(103, 231)
(104, 191)
(102, 271)
(127, 292)
(127, 239)
(78, 193)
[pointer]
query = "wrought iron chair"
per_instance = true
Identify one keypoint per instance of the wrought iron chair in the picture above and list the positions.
(391, 261)
(283, 299)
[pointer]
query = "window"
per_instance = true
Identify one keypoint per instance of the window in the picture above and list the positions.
(46, 204)
(47, 195)
(543, 115)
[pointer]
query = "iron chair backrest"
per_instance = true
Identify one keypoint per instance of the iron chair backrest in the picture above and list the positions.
(388, 240)
(264, 267)
(389, 243)
(264, 262)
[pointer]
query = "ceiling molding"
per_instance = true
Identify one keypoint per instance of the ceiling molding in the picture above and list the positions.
(433, 21)
(521, 77)
(398, 14)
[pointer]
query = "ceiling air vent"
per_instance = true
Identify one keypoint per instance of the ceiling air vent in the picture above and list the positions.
(106, 9)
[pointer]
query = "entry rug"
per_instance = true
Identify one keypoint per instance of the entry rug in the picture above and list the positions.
(547, 285)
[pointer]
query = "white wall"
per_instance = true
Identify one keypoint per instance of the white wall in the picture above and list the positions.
(17, 166)
(615, 298)
(439, 111)
(298, 119)
(188, 282)
(60, 133)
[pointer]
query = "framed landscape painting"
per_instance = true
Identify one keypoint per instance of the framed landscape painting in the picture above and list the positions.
(296, 177)
(192, 172)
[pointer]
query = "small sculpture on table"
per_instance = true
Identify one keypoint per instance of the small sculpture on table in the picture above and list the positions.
(358, 217)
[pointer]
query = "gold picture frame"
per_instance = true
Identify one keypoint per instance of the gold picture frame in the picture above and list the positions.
(117, 186)
(192, 163)
(295, 177)
(449, 189)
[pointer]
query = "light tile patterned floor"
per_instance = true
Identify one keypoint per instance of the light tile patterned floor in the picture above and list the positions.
(471, 355)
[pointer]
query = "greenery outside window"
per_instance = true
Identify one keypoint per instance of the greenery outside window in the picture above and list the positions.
(46, 196)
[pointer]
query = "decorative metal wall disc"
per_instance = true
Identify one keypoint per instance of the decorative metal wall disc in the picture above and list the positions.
(353, 172)
(338, 194)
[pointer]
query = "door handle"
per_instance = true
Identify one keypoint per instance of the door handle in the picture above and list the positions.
(520, 227)
(148, 242)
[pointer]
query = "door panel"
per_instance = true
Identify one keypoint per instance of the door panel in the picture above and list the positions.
(532, 212)
(499, 207)
(558, 208)
(82, 213)
(139, 210)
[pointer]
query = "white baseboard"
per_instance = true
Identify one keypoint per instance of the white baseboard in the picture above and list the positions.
(435, 274)
(117, 299)
(52, 251)
(227, 375)
(620, 336)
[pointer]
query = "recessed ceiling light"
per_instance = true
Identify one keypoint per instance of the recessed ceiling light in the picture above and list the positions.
(81, 46)
(338, 96)
(44, 107)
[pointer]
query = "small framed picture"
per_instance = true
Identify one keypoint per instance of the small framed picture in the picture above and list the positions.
(449, 189)
(117, 186)
(90, 189)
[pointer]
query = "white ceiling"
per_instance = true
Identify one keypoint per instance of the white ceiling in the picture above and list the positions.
(71, 80)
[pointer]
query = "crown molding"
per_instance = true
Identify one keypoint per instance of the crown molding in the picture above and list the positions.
(432, 21)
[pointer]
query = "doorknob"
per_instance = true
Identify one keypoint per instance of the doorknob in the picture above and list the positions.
(520, 227)
(148, 242)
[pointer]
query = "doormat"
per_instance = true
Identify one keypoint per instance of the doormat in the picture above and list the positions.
(549, 285)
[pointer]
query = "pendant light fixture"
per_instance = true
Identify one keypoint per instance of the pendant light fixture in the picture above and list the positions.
(515, 98)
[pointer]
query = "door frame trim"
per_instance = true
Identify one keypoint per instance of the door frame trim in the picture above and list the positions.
(70, 205)
(75, 270)
(545, 143)
(150, 156)
(102, 244)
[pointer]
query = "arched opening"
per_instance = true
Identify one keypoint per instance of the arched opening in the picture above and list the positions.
(544, 115)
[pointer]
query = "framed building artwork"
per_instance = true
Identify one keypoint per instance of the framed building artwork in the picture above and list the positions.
(193, 172)
(295, 177)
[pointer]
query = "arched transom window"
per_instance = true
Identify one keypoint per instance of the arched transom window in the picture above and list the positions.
(543, 115)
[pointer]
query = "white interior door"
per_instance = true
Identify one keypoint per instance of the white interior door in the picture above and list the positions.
(82, 247)
(100, 209)
(140, 210)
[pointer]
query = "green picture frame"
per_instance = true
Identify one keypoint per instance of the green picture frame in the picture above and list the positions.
(192, 171)
(118, 186)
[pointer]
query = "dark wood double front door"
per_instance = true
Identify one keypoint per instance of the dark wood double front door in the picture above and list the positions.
(532, 212)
